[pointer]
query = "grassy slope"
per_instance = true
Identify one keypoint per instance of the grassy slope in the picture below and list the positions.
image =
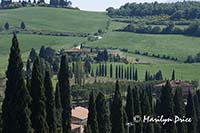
(33, 41)
(173, 45)
(54, 19)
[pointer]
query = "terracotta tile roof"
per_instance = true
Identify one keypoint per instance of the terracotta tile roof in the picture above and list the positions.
(75, 126)
(80, 112)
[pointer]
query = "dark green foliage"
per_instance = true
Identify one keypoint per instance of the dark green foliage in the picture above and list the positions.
(191, 113)
(42, 52)
(7, 26)
(176, 10)
(137, 110)
(179, 110)
(38, 108)
(58, 107)
(103, 116)
(116, 72)
(15, 111)
(117, 117)
(50, 104)
(167, 108)
(92, 115)
(63, 81)
(197, 109)
(32, 55)
(87, 67)
(130, 108)
(173, 75)
(136, 75)
(23, 26)
(146, 110)
(111, 71)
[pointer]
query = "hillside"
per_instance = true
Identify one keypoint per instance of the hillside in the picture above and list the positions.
(54, 19)
(74, 21)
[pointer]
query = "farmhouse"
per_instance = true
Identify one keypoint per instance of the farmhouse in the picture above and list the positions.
(79, 119)
(186, 87)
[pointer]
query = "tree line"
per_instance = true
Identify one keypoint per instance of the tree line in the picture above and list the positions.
(139, 102)
(191, 30)
(32, 106)
(175, 11)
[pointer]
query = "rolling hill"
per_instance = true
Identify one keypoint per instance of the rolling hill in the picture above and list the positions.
(74, 21)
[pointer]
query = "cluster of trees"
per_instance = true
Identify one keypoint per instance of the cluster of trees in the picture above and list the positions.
(177, 10)
(120, 72)
(7, 4)
(156, 76)
(37, 108)
(191, 59)
(139, 102)
(7, 26)
(191, 30)
(166, 57)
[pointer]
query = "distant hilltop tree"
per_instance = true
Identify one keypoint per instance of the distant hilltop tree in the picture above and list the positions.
(23, 26)
(7, 26)
(5, 2)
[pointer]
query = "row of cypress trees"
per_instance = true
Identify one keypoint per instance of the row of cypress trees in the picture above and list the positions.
(32, 106)
(139, 102)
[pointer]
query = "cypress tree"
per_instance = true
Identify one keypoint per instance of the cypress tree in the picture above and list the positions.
(197, 108)
(127, 73)
(130, 73)
(105, 72)
(111, 71)
(116, 72)
(137, 110)
(130, 108)
(63, 80)
(117, 117)
(173, 75)
(103, 116)
(122, 75)
(42, 53)
(92, 115)
(191, 113)
(58, 107)
(119, 72)
(146, 76)
(15, 111)
(146, 110)
(167, 108)
(179, 110)
(136, 75)
(133, 72)
(50, 104)
(38, 108)
(32, 55)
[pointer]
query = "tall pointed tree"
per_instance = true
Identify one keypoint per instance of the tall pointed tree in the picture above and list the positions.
(111, 71)
(15, 111)
(173, 75)
(130, 108)
(58, 107)
(146, 110)
(137, 109)
(179, 110)
(167, 108)
(117, 117)
(50, 104)
(191, 113)
(63, 80)
(103, 115)
(38, 108)
(92, 115)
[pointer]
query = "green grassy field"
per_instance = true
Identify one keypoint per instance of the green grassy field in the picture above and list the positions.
(33, 41)
(173, 45)
(54, 19)
(65, 20)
